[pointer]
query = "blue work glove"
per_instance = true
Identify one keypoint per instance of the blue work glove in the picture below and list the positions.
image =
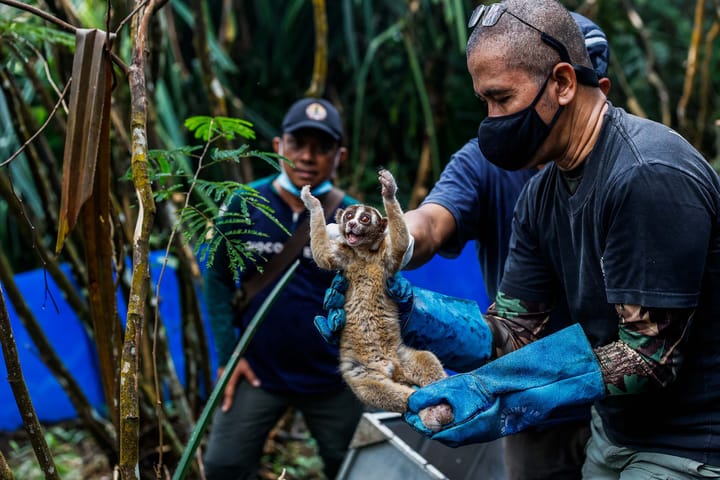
(452, 328)
(331, 325)
(516, 391)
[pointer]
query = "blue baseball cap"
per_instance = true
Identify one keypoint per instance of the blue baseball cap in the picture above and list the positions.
(315, 113)
(596, 43)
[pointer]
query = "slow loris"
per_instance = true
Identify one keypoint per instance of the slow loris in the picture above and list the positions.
(374, 362)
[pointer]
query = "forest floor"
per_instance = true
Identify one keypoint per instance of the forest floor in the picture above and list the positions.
(290, 453)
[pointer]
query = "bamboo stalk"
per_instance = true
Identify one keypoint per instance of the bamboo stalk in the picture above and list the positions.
(22, 396)
(5, 472)
(653, 77)
(91, 419)
(424, 103)
(319, 75)
(129, 397)
(705, 78)
(691, 68)
(361, 85)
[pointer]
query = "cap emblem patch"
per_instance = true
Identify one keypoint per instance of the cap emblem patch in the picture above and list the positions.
(315, 111)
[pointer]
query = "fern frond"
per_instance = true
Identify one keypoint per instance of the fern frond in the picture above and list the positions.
(166, 192)
(235, 155)
(272, 159)
(205, 127)
(38, 34)
(232, 154)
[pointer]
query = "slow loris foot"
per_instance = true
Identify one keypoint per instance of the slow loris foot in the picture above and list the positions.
(436, 416)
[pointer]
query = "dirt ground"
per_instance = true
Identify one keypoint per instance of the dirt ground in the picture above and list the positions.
(289, 453)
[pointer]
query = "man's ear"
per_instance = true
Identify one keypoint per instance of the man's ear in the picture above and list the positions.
(566, 83)
(605, 84)
(340, 156)
(276, 143)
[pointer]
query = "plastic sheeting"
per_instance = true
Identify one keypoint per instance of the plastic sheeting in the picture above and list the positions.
(74, 346)
(460, 277)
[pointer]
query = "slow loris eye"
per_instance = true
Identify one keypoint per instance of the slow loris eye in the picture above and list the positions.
(365, 219)
(348, 216)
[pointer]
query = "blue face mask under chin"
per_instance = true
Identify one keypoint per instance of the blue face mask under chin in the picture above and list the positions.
(287, 185)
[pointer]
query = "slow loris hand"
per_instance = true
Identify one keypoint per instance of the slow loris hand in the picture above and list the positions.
(389, 187)
(308, 199)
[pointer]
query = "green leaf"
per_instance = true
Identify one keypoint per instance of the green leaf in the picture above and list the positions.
(206, 128)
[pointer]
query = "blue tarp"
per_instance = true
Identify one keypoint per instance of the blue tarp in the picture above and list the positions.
(459, 277)
(73, 345)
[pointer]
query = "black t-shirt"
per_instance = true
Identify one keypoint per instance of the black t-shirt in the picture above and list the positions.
(643, 228)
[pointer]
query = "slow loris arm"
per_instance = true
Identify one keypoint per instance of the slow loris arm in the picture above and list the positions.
(326, 252)
(399, 235)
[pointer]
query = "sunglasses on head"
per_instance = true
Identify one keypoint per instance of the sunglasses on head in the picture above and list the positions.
(489, 15)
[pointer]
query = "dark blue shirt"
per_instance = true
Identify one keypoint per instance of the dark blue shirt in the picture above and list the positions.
(287, 353)
(481, 197)
(643, 228)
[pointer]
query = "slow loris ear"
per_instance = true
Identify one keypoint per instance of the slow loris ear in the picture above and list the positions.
(383, 223)
(339, 215)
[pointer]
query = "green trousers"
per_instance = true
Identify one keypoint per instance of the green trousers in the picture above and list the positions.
(606, 461)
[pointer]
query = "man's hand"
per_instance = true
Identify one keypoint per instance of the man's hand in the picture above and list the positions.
(330, 326)
(242, 370)
(452, 328)
(518, 390)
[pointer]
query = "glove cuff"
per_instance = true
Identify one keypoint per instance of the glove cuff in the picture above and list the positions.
(452, 328)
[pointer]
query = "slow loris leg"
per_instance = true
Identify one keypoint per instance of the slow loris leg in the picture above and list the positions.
(373, 384)
(420, 367)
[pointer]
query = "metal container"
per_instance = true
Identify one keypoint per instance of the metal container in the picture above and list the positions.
(384, 447)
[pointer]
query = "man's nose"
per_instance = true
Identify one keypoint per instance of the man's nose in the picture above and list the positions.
(308, 152)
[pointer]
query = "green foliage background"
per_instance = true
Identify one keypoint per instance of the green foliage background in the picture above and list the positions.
(387, 61)
(396, 71)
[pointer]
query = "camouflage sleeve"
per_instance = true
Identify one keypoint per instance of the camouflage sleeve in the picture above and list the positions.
(515, 323)
(648, 351)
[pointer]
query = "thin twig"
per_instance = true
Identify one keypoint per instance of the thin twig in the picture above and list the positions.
(48, 75)
(36, 11)
(62, 24)
(47, 120)
(130, 15)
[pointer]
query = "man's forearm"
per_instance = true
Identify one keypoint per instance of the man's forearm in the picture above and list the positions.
(648, 351)
(431, 225)
(515, 323)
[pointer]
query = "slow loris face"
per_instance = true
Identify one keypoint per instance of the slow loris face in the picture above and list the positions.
(361, 225)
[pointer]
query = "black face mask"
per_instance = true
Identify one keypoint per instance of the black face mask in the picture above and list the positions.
(510, 141)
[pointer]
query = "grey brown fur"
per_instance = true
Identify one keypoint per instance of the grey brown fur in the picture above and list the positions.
(374, 362)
